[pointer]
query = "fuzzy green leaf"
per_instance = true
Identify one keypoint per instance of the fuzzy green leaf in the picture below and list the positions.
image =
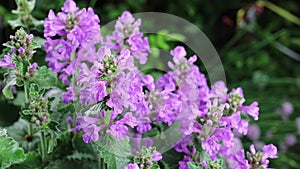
(33, 160)
(10, 80)
(10, 152)
(71, 164)
(111, 160)
(45, 78)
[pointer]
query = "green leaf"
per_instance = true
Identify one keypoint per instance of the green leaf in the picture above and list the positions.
(45, 78)
(19, 131)
(22, 67)
(19, 100)
(53, 125)
(10, 80)
(51, 142)
(81, 156)
(71, 164)
(27, 112)
(115, 146)
(193, 165)
(10, 153)
(151, 133)
(113, 151)
(111, 160)
(33, 160)
(16, 23)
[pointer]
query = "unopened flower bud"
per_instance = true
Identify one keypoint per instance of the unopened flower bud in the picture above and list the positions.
(21, 50)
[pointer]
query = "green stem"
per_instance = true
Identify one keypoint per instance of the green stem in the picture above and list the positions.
(43, 146)
(30, 127)
(30, 130)
(101, 162)
(26, 92)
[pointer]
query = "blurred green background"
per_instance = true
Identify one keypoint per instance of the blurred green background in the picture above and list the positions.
(258, 42)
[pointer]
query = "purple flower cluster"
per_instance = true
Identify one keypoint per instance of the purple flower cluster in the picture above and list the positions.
(223, 116)
(127, 35)
(254, 159)
(130, 103)
(66, 35)
(21, 47)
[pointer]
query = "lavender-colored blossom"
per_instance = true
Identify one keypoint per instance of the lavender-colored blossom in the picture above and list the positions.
(237, 145)
(183, 164)
(6, 62)
(118, 130)
(156, 156)
(143, 127)
(178, 53)
(298, 124)
(252, 110)
(31, 70)
(286, 110)
(69, 96)
(74, 28)
(290, 140)
(91, 133)
(219, 90)
(253, 132)
(243, 127)
(21, 50)
(132, 166)
(270, 151)
(283, 147)
(70, 121)
(127, 32)
(239, 160)
(211, 146)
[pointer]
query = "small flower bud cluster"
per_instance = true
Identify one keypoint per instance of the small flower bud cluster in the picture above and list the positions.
(40, 115)
(146, 158)
(21, 45)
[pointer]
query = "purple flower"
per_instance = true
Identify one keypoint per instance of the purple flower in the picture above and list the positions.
(70, 121)
(156, 156)
(32, 69)
(237, 145)
(127, 31)
(100, 90)
(211, 145)
(69, 6)
(6, 62)
(91, 133)
(219, 90)
(287, 108)
(21, 50)
(298, 124)
(243, 127)
(178, 53)
(290, 140)
(270, 151)
(129, 119)
(144, 127)
(90, 129)
(132, 166)
(253, 132)
(67, 33)
(183, 164)
(69, 96)
(252, 110)
(239, 160)
(118, 130)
